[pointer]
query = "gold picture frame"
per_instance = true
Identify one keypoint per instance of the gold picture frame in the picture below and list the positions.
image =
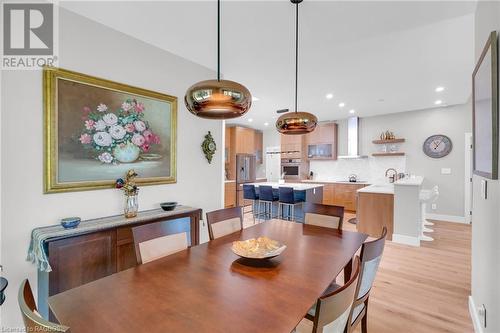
(71, 167)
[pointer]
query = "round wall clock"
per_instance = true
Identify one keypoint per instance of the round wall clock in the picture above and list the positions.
(437, 146)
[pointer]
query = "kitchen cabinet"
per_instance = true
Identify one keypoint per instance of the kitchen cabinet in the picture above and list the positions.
(245, 140)
(321, 144)
(375, 211)
(291, 146)
(227, 145)
(340, 194)
(229, 194)
(258, 147)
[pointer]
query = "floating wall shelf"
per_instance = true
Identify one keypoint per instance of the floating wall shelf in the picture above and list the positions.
(381, 142)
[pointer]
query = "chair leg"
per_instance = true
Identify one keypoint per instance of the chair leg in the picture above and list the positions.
(364, 320)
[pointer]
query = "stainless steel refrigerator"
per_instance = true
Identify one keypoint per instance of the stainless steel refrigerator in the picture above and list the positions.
(245, 173)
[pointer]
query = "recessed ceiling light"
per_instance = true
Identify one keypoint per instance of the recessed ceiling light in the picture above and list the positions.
(254, 99)
(266, 124)
(438, 102)
(341, 105)
(250, 120)
(352, 111)
(439, 89)
(329, 96)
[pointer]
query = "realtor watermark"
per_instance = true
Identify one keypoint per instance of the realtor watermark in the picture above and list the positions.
(29, 35)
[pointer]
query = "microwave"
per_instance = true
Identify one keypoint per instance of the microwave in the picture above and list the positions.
(291, 168)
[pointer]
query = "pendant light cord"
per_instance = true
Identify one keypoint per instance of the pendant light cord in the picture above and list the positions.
(218, 40)
(296, 52)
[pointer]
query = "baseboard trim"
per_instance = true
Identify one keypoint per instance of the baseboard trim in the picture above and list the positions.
(447, 218)
(407, 240)
(475, 318)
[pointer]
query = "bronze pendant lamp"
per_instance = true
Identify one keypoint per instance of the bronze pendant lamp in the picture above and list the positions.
(296, 122)
(218, 99)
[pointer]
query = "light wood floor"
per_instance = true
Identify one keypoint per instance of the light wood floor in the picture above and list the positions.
(420, 289)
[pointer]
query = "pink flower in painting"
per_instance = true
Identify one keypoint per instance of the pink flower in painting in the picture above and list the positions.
(85, 139)
(86, 110)
(89, 124)
(138, 140)
(155, 139)
(126, 106)
(145, 147)
(139, 125)
(102, 107)
(139, 107)
(148, 136)
(129, 127)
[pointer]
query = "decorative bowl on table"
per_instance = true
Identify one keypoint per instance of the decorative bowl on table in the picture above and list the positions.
(70, 222)
(168, 205)
(260, 248)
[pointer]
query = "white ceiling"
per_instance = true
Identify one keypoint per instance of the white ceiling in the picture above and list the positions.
(376, 56)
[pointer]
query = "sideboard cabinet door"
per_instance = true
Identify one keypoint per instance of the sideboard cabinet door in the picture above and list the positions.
(81, 259)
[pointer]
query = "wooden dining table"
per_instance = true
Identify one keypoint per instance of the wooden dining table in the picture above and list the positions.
(207, 288)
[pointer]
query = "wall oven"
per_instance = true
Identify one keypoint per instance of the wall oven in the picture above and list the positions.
(291, 168)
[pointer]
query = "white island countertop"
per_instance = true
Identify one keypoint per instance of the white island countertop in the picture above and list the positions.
(411, 181)
(378, 188)
(296, 186)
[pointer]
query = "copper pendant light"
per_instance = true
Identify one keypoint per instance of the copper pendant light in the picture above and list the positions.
(218, 99)
(296, 122)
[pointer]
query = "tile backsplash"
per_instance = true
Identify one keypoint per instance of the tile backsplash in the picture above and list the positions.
(371, 169)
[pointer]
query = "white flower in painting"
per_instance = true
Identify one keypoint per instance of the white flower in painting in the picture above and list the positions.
(110, 119)
(100, 125)
(105, 158)
(102, 107)
(126, 106)
(139, 125)
(117, 132)
(102, 139)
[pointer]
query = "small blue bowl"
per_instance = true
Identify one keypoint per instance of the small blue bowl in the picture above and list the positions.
(70, 222)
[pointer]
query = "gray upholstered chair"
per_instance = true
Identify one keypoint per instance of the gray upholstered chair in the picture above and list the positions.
(157, 240)
(323, 215)
(332, 310)
(33, 321)
(223, 222)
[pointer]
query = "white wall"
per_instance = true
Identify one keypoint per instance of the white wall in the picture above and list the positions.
(486, 212)
(94, 49)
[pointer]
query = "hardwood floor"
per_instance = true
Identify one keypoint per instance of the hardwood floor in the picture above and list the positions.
(419, 289)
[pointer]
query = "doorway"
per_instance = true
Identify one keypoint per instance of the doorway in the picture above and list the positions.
(468, 178)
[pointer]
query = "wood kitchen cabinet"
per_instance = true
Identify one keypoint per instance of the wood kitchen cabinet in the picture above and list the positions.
(227, 145)
(229, 194)
(292, 146)
(258, 147)
(339, 194)
(245, 140)
(321, 144)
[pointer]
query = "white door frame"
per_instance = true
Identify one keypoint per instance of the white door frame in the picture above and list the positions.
(468, 178)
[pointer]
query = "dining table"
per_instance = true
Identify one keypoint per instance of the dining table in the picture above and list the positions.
(208, 288)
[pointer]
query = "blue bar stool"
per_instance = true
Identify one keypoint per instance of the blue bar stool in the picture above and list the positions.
(249, 193)
(287, 199)
(267, 197)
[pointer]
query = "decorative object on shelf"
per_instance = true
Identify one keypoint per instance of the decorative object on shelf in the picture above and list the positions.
(70, 222)
(296, 122)
(209, 147)
(437, 146)
(218, 99)
(485, 128)
(131, 192)
(95, 127)
(167, 206)
(387, 135)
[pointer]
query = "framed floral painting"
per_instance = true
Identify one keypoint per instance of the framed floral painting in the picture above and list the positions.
(96, 130)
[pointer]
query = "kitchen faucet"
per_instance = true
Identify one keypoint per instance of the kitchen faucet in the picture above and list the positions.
(393, 177)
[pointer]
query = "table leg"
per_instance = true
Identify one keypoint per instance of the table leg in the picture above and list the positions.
(348, 271)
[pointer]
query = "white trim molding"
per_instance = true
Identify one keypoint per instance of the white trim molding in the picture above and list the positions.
(446, 218)
(475, 318)
(407, 240)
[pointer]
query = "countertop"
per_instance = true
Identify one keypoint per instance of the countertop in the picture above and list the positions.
(411, 181)
(296, 186)
(359, 182)
(378, 188)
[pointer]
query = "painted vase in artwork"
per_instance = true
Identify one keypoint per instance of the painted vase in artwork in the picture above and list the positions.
(126, 153)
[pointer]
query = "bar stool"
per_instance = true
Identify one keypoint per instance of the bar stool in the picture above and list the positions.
(425, 197)
(267, 197)
(287, 199)
(249, 193)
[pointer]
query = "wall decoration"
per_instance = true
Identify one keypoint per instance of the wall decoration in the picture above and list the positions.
(209, 147)
(437, 146)
(96, 130)
(485, 111)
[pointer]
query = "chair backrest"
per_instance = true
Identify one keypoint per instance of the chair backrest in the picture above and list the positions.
(266, 193)
(333, 309)
(33, 321)
(324, 215)
(156, 240)
(249, 192)
(223, 222)
(371, 254)
(286, 195)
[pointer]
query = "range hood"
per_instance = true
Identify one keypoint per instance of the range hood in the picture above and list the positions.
(352, 139)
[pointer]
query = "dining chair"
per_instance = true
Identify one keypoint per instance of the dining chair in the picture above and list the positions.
(268, 198)
(323, 215)
(157, 240)
(33, 320)
(249, 193)
(288, 199)
(371, 254)
(223, 222)
(332, 310)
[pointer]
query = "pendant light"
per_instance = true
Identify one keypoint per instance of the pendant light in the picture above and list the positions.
(296, 122)
(218, 99)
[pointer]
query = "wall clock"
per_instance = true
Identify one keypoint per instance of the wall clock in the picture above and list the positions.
(209, 147)
(437, 146)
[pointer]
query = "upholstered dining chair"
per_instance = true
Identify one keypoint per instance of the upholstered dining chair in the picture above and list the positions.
(323, 215)
(157, 240)
(332, 310)
(223, 222)
(33, 321)
(371, 254)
